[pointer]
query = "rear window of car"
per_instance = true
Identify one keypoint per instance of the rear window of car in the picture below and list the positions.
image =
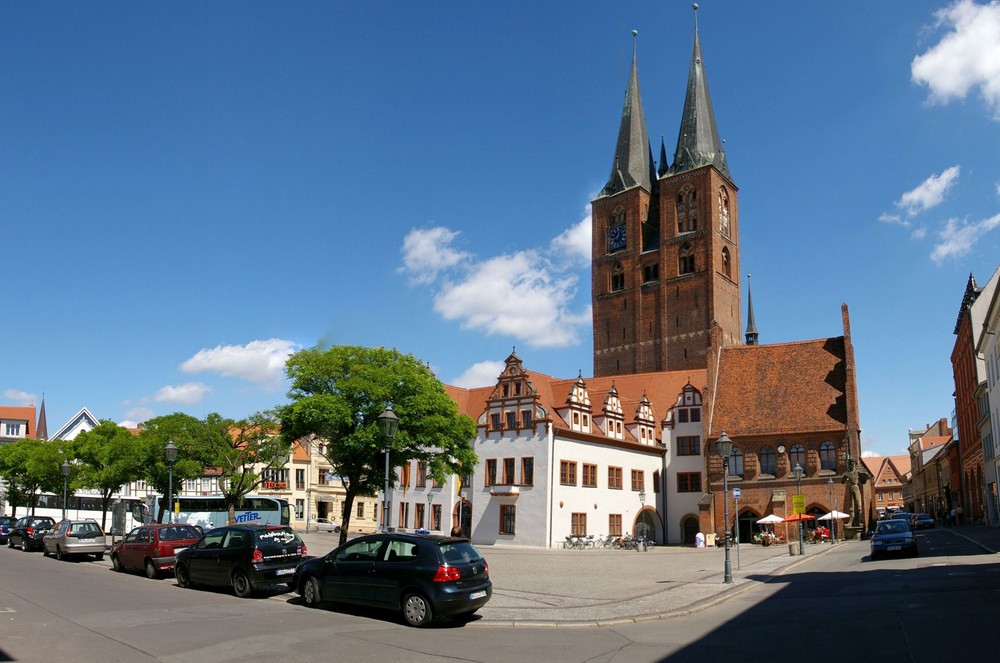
(178, 533)
(459, 553)
(279, 537)
(85, 528)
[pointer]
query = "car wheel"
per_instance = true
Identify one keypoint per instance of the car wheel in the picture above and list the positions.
(182, 576)
(311, 595)
(45, 551)
(116, 564)
(24, 545)
(59, 554)
(99, 556)
(151, 571)
(417, 610)
(241, 585)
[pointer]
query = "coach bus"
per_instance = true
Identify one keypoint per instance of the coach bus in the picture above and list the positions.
(210, 511)
(81, 507)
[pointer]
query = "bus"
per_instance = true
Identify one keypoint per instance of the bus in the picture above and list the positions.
(124, 514)
(210, 511)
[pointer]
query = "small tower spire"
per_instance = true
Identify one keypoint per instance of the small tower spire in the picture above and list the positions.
(633, 162)
(751, 327)
(698, 141)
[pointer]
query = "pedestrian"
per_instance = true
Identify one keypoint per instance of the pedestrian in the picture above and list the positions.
(457, 531)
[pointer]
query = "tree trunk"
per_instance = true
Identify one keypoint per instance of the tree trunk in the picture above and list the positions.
(345, 521)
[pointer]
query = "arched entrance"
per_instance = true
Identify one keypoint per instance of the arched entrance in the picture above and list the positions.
(747, 526)
(689, 528)
(462, 514)
(648, 521)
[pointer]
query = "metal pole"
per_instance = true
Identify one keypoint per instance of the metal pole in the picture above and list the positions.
(736, 502)
(798, 481)
(65, 486)
(385, 494)
(728, 578)
(170, 495)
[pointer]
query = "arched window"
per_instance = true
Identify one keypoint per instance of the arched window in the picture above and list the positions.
(686, 259)
(827, 456)
(797, 456)
(687, 214)
(768, 461)
(726, 266)
(724, 212)
(617, 278)
(736, 463)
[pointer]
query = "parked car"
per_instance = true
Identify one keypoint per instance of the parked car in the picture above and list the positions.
(925, 521)
(910, 518)
(6, 522)
(421, 576)
(152, 547)
(74, 537)
(247, 557)
(327, 525)
(27, 532)
(893, 536)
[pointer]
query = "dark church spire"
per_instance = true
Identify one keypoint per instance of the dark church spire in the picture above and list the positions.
(751, 327)
(42, 428)
(698, 142)
(633, 163)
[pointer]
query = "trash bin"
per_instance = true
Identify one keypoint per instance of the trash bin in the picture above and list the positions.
(793, 549)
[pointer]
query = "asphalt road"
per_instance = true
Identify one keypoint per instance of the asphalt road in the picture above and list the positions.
(829, 607)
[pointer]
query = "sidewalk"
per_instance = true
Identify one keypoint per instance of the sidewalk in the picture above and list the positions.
(986, 537)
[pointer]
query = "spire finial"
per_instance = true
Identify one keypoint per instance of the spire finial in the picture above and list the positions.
(751, 333)
(694, 7)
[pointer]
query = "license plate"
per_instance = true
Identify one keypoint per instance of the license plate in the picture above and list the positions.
(285, 572)
(477, 595)
(893, 548)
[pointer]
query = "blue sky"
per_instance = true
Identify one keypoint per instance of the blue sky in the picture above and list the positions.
(190, 191)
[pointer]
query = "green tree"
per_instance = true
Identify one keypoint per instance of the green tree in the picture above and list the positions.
(337, 396)
(189, 435)
(240, 451)
(109, 457)
(30, 467)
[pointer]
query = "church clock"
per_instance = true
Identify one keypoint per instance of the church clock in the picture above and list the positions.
(616, 238)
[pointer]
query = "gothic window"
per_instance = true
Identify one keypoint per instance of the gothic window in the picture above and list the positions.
(726, 266)
(687, 215)
(827, 456)
(724, 212)
(768, 461)
(797, 456)
(617, 278)
(686, 263)
(650, 273)
(736, 463)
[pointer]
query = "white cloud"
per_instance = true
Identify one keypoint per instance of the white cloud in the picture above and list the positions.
(189, 393)
(919, 233)
(480, 374)
(967, 57)
(260, 362)
(870, 454)
(528, 294)
(428, 252)
(930, 193)
(19, 398)
(958, 237)
(136, 414)
(894, 219)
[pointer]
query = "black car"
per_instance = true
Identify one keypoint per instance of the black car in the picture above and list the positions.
(27, 533)
(246, 557)
(421, 576)
(6, 522)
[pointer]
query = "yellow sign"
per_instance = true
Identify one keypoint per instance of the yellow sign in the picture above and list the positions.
(177, 507)
(798, 503)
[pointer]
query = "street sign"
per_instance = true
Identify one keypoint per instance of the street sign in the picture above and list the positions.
(798, 503)
(736, 493)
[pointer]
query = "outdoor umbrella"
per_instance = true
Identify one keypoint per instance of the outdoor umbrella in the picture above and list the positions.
(835, 515)
(795, 517)
(770, 520)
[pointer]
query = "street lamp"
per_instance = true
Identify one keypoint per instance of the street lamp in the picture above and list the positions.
(642, 519)
(833, 519)
(388, 422)
(171, 453)
(427, 520)
(797, 473)
(65, 472)
(725, 448)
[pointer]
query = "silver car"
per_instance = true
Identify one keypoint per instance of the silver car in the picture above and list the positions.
(75, 537)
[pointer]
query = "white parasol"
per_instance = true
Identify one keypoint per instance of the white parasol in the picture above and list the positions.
(835, 515)
(770, 520)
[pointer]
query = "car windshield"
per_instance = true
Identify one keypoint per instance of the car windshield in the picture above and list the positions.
(892, 527)
(459, 553)
(178, 533)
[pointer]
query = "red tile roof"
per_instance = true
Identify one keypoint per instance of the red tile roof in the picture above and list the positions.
(26, 413)
(781, 388)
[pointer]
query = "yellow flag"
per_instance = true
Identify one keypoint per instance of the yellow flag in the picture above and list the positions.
(459, 481)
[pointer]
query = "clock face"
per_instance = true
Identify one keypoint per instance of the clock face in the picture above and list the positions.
(616, 237)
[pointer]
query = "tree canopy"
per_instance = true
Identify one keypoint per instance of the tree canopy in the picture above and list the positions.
(31, 466)
(337, 396)
(109, 457)
(189, 435)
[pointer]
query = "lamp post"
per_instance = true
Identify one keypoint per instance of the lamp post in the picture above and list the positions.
(797, 472)
(725, 448)
(833, 520)
(171, 454)
(388, 422)
(427, 520)
(642, 519)
(65, 472)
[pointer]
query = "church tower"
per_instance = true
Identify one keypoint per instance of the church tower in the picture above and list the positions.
(665, 247)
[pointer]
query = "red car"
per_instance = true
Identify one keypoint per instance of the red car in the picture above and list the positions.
(152, 547)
